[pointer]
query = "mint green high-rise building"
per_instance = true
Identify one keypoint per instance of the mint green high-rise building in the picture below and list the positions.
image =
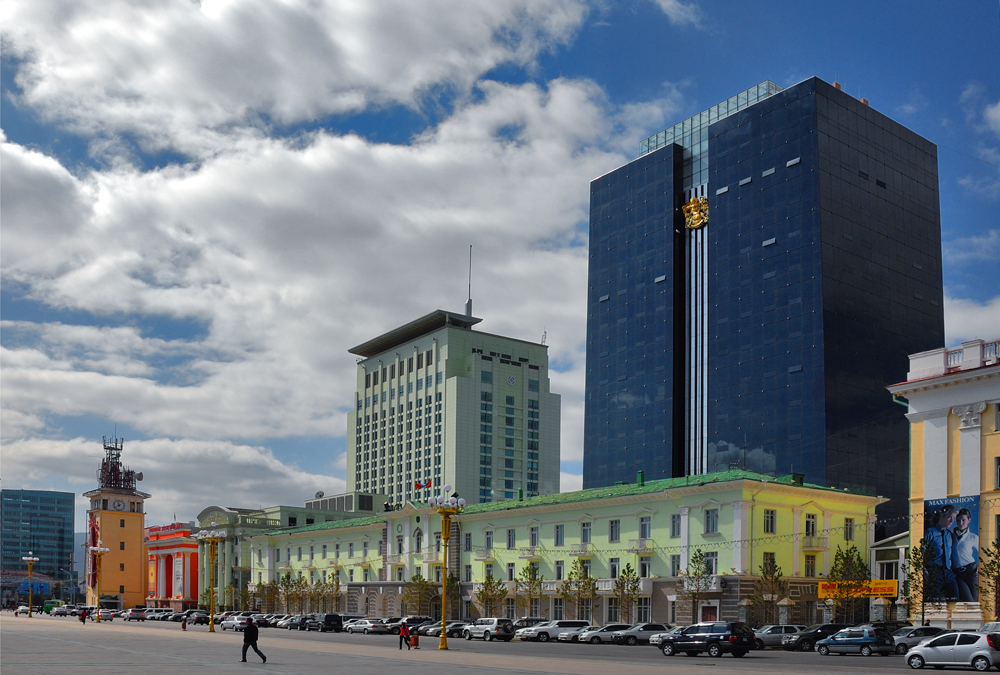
(439, 403)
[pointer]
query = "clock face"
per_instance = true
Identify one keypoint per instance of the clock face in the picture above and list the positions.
(119, 504)
(511, 380)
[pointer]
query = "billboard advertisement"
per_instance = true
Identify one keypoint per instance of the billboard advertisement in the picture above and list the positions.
(876, 588)
(951, 549)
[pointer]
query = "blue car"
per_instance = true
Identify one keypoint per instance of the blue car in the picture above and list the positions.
(864, 641)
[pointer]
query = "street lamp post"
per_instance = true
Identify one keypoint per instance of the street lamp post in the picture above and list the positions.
(446, 507)
(98, 552)
(211, 539)
(31, 560)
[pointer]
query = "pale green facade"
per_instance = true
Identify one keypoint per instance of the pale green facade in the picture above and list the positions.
(735, 517)
(439, 402)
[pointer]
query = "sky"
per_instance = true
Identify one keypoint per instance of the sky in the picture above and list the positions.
(206, 204)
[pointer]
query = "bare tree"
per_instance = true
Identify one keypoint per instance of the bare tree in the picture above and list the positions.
(695, 581)
(490, 594)
(626, 591)
(529, 588)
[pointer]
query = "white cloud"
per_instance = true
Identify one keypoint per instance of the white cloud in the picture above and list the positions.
(991, 115)
(982, 248)
(185, 75)
(570, 482)
(183, 477)
(681, 13)
(968, 319)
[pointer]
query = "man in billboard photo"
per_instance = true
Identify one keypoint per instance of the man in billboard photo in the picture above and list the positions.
(966, 558)
(940, 555)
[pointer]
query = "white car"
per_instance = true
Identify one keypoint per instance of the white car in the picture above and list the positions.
(236, 623)
(367, 626)
(543, 632)
(490, 629)
(107, 615)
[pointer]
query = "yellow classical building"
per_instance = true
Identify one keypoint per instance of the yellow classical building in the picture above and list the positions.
(952, 397)
(115, 522)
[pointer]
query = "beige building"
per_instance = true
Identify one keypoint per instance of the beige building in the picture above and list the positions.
(952, 397)
(439, 403)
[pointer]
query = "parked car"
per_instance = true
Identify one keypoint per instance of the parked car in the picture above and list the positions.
(990, 627)
(198, 618)
(288, 621)
(490, 628)
(329, 622)
(547, 630)
(977, 650)
(62, 610)
(639, 633)
(367, 626)
(716, 638)
(107, 615)
(572, 635)
(656, 638)
(135, 614)
(596, 635)
(770, 636)
(235, 622)
(912, 636)
(410, 621)
(804, 641)
(422, 628)
(528, 622)
(891, 626)
(454, 629)
(858, 640)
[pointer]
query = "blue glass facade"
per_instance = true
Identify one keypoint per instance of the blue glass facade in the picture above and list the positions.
(823, 262)
(40, 521)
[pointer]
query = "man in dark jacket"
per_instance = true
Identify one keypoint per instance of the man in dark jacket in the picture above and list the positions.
(250, 640)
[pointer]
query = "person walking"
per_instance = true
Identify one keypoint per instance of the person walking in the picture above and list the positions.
(250, 640)
(184, 623)
(404, 636)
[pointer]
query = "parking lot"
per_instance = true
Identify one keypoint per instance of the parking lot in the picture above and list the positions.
(55, 644)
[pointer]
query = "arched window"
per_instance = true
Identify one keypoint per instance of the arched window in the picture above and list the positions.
(418, 541)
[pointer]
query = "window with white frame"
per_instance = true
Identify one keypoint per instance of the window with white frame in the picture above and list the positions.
(644, 566)
(810, 565)
(675, 525)
(560, 538)
(675, 565)
(323, 552)
(612, 610)
(558, 608)
(848, 529)
(811, 521)
(642, 609)
(468, 574)
(584, 533)
(613, 565)
(560, 567)
(770, 521)
(533, 536)
(488, 570)
(614, 530)
(489, 539)
(711, 521)
(350, 550)
(510, 607)
(586, 568)
(467, 544)
(336, 551)
(511, 539)
(645, 527)
(510, 571)
(298, 553)
(711, 563)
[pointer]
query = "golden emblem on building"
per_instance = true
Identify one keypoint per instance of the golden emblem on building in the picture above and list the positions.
(696, 213)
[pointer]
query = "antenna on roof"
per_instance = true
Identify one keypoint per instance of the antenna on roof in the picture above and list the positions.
(544, 334)
(468, 303)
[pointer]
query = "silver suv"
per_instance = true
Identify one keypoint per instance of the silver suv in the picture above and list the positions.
(543, 632)
(490, 629)
(770, 636)
(599, 634)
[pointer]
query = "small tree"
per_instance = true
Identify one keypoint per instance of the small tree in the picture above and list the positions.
(695, 581)
(626, 591)
(287, 592)
(490, 594)
(529, 588)
(989, 579)
(334, 593)
(768, 589)
(418, 593)
(851, 574)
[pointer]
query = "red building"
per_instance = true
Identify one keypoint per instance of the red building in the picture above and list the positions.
(173, 566)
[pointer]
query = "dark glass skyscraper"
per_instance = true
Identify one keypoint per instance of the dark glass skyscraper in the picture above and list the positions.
(765, 337)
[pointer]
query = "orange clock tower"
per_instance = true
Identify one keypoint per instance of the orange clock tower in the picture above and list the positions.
(115, 522)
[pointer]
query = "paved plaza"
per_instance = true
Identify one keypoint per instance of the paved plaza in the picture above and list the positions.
(45, 645)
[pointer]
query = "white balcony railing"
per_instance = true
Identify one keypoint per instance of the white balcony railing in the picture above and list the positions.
(640, 545)
(710, 584)
(530, 552)
(815, 543)
(485, 554)
(581, 549)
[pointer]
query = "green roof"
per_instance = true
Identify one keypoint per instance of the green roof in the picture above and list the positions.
(649, 487)
(327, 525)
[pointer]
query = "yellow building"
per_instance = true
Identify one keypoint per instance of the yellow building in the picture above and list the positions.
(952, 396)
(115, 522)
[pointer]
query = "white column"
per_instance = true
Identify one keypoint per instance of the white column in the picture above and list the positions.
(161, 576)
(796, 542)
(684, 511)
(826, 553)
(739, 536)
(970, 475)
(936, 457)
(186, 574)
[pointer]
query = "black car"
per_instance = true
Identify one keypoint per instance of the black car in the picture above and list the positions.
(806, 640)
(716, 638)
(325, 623)
(198, 618)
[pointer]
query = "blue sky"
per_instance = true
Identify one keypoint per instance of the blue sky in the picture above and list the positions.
(204, 206)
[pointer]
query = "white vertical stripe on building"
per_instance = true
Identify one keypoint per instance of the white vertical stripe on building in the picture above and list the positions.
(936, 457)
(696, 349)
